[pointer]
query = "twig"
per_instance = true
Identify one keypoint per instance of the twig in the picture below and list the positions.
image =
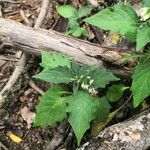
(13, 79)
(23, 60)
(8, 59)
(33, 85)
(37, 89)
(10, 1)
(42, 14)
(23, 15)
(3, 146)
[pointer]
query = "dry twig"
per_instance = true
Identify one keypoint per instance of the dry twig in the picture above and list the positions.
(3, 146)
(42, 14)
(23, 60)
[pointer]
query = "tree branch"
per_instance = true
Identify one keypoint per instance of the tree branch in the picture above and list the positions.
(34, 40)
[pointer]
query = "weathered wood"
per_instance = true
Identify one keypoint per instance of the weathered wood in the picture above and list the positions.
(133, 134)
(84, 52)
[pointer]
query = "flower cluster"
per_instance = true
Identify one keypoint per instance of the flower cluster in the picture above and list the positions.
(144, 13)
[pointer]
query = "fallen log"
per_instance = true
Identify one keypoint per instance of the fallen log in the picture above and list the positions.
(34, 40)
(133, 134)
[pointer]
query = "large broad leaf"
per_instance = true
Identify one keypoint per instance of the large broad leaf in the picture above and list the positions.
(141, 83)
(56, 75)
(51, 107)
(102, 77)
(115, 92)
(121, 19)
(66, 11)
(81, 109)
(103, 108)
(146, 3)
(143, 36)
(54, 59)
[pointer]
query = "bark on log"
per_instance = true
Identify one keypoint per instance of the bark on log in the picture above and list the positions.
(133, 134)
(84, 52)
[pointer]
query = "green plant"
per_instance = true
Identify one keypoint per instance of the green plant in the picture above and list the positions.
(123, 19)
(74, 16)
(78, 106)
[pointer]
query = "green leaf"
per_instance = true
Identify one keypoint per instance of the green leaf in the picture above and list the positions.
(143, 36)
(51, 108)
(79, 32)
(102, 77)
(103, 108)
(73, 24)
(56, 75)
(84, 71)
(54, 59)
(141, 83)
(115, 92)
(83, 11)
(81, 109)
(66, 11)
(121, 19)
(146, 3)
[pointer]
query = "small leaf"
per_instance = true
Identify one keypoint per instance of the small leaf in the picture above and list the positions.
(103, 108)
(81, 111)
(54, 59)
(115, 92)
(102, 77)
(56, 75)
(66, 11)
(120, 19)
(72, 24)
(143, 36)
(27, 116)
(141, 83)
(51, 108)
(83, 11)
(79, 32)
(14, 137)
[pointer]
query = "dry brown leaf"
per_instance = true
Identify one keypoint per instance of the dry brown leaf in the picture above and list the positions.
(28, 116)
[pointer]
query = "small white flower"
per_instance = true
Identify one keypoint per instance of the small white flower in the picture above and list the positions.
(81, 76)
(92, 91)
(144, 13)
(145, 17)
(84, 86)
(88, 77)
(91, 81)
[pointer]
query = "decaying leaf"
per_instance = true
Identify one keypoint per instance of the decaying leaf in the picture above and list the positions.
(14, 137)
(28, 116)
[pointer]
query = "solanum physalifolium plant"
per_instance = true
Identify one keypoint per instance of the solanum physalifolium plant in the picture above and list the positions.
(123, 19)
(79, 106)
